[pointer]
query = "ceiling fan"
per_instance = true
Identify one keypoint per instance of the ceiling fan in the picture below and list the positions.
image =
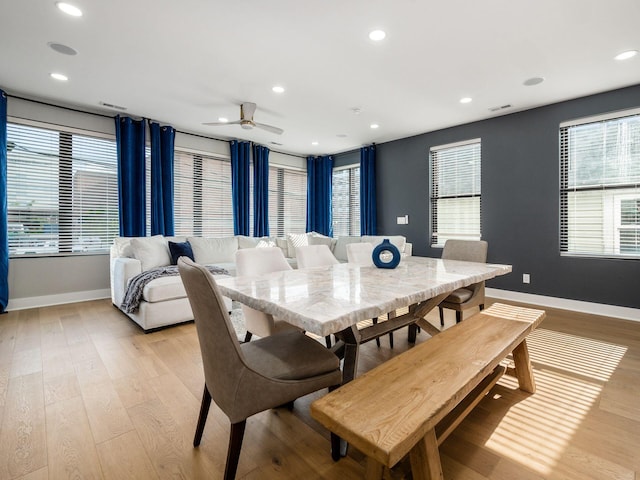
(247, 109)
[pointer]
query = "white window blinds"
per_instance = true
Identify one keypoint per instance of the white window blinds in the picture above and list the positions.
(600, 186)
(455, 192)
(62, 190)
(345, 202)
(202, 195)
(287, 200)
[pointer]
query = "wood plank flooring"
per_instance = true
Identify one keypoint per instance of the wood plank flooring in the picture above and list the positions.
(85, 394)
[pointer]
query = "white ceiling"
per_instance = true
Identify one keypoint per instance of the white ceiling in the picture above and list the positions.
(191, 61)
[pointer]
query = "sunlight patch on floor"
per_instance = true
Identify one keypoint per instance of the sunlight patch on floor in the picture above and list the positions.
(570, 372)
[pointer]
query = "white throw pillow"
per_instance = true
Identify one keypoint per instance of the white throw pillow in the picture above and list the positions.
(253, 242)
(322, 240)
(153, 252)
(296, 240)
(208, 250)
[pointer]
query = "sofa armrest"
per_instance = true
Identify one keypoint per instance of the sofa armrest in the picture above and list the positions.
(122, 270)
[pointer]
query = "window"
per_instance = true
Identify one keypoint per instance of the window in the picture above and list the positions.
(455, 192)
(287, 200)
(600, 186)
(202, 195)
(345, 202)
(62, 190)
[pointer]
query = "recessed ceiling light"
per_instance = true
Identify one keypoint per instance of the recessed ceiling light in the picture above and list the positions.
(466, 100)
(63, 49)
(278, 89)
(69, 9)
(374, 125)
(314, 143)
(626, 55)
(377, 35)
(223, 119)
(59, 76)
(530, 82)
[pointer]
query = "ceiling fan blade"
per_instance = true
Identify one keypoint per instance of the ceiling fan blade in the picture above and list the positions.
(269, 128)
(215, 124)
(247, 109)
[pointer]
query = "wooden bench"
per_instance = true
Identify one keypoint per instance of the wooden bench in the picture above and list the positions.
(410, 404)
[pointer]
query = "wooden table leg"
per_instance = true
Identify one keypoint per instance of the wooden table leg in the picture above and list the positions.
(523, 368)
(374, 469)
(425, 458)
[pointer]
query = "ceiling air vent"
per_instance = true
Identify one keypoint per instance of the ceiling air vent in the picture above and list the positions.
(497, 109)
(275, 143)
(111, 105)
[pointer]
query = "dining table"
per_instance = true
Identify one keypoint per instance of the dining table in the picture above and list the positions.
(334, 299)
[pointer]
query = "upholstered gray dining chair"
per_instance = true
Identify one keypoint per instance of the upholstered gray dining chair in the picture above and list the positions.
(244, 379)
(473, 295)
(258, 261)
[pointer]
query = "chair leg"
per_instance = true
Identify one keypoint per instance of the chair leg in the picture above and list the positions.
(202, 419)
(458, 316)
(233, 454)
(441, 316)
(375, 321)
(391, 339)
(481, 306)
(327, 340)
(247, 337)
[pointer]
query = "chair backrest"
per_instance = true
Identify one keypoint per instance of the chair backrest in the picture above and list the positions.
(314, 256)
(257, 261)
(468, 250)
(222, 358)
(360, 253)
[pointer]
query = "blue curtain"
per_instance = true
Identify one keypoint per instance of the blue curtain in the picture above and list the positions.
(260, 191)
(319, 172)
(4, 240)
(368, 208)
(162, 140)
(240, 152)
(131, 176)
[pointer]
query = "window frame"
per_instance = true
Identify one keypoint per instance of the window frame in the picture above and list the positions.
(68, 227)
(611, 203)
(353, 210)
(434, 197)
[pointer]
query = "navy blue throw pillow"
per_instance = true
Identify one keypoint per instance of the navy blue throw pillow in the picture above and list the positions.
(180, 249)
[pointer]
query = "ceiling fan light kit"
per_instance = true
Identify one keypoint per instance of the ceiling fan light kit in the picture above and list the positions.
(247, 109)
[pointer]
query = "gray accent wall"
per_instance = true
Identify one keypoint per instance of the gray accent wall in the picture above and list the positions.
(520, 200)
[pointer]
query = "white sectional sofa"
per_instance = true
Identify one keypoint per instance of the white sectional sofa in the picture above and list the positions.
(164, 301)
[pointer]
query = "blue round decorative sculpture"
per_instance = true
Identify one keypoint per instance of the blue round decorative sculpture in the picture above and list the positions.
(386, 248)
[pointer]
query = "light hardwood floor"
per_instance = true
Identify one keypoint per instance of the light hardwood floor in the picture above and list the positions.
(85, 394)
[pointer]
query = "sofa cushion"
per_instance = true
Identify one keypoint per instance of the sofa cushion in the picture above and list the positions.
(255, 242)
(210, 250)
(322, 240)
(152, 252)
(166, 288)
(340, 250)
(375, 240)
(180, 249)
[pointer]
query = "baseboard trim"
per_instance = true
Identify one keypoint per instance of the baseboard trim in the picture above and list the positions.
(59, 299)
(624, 313)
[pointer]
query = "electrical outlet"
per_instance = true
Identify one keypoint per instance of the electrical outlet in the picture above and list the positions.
(526, 278)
